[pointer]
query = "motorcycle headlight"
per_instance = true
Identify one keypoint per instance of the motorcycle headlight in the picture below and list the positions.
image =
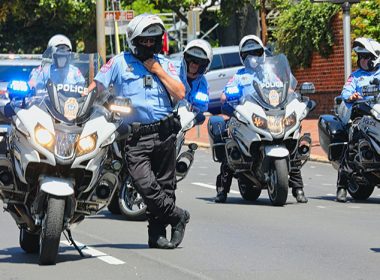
(290, 120)
(276, 124)
(43, 137)
(86, 144)
(259, 122)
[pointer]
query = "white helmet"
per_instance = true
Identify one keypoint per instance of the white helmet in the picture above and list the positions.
(59, 48)
(59, 39)
(367, 47)
(199, 51)
(145, 25)
(251, 45)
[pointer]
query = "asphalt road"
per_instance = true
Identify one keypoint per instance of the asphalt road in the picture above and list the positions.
(322, 239)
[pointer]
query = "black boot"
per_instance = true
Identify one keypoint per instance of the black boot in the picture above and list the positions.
(157, 237)
(178, 229)
(299, 194)
(341, 195)
(221, 197)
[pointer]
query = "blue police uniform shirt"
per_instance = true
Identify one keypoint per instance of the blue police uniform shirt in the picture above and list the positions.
(61, 77)
(198, 85)
(126, 73)
(357, 80)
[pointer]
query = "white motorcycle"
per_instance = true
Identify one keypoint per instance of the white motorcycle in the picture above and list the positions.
(355, 133)
(55, 170)
(127, 201)
(262, 141)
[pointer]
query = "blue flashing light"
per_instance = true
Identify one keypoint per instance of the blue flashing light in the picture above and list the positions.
(17, 89)
(233, 93)
(201, 97)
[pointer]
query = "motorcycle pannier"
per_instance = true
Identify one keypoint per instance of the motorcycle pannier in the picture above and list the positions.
(217, 132)
(332, 136)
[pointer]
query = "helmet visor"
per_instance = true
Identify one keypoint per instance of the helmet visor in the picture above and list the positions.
(195, 59)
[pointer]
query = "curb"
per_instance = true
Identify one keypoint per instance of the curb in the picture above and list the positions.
(316, 158)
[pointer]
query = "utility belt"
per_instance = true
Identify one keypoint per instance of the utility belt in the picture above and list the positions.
(168, 125)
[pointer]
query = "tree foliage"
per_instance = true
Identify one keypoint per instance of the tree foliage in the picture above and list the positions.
(365, 19)
(304, 28)
(27, 25)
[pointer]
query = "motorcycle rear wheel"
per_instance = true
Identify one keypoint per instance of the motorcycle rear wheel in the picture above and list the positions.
(29, 242)
(131, 203)
(52, 226)
(248, 190)
(360, 191)
(279, 182)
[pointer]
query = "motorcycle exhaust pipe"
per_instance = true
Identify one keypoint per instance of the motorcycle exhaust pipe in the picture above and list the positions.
(184, 161)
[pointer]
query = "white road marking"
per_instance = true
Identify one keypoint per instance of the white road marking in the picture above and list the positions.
(202, 174)
(211, 187)
(318, 175)
(322, 207)
(326, 184)
(330, 194)
(96, 253)
(354, 207)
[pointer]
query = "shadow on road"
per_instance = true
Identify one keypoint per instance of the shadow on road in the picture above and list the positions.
(375, 250)
(105, 214)
(17, 255)
(240, 201)
(371, 200)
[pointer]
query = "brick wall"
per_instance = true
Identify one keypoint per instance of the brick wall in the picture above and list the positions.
(327, 74)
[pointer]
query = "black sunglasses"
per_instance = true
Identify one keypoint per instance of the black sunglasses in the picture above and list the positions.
(258, 52)
(365, 56)
(200, 61)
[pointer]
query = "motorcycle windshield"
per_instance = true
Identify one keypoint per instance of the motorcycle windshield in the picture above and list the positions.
(62, 83)
(273, 80)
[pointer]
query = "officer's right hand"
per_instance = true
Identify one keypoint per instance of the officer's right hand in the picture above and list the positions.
(355, 96)
(153, 66)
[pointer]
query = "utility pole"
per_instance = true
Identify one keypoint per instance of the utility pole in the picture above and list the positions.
(100, 29)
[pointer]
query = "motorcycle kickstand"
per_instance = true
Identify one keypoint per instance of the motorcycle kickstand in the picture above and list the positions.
(70, 239)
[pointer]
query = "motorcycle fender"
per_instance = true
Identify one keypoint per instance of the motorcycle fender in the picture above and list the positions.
(276, 151)
(57, 186)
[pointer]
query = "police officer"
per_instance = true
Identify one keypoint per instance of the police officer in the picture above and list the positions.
(252, 55)
(151, 82)
(196, 61)
(60, 71)
(368, 52)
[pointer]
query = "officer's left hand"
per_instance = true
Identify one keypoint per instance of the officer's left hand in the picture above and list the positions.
(153, 66)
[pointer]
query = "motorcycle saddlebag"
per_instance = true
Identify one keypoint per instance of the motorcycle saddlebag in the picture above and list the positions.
(217, 133)
(333, 136)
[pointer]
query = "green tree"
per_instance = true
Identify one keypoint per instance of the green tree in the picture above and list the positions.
(304, 28)
(365, 19)
(27, 25)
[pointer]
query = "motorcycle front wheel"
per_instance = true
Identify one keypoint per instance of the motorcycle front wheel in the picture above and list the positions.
(52, 226)
(131, 203)
(278, 185)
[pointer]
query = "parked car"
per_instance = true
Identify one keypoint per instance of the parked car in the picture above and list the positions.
(16, 67)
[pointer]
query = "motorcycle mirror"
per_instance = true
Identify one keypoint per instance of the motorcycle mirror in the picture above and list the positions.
(120, 105)
(307, 88)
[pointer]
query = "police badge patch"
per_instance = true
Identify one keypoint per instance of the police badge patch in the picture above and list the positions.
(274, 98)
(71, 108)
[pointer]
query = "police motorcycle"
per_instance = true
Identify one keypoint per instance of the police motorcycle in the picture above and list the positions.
(262, 141)
(127, 201)
(357, 130)
(55, 170)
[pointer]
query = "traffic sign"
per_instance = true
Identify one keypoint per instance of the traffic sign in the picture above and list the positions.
(121, 17)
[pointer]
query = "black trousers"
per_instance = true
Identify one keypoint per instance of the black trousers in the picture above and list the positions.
(151, 164)
(224, 180)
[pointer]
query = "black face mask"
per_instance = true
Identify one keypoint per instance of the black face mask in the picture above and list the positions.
(143, 52)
